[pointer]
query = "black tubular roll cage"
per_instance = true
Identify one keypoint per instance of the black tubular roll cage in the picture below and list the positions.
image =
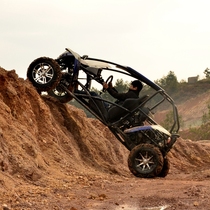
(83, 65)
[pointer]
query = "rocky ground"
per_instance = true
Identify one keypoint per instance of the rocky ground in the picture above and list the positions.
(53, 157)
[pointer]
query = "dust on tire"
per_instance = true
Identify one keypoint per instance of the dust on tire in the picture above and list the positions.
(36, 73)
(139, 166)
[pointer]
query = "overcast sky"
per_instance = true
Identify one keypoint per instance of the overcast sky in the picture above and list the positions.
(151, 36)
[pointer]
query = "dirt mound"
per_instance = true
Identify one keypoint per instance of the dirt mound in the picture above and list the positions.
(53, 157)
(38, 132)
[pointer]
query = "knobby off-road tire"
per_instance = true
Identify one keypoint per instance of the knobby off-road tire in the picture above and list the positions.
(166, 167)
(44, 73)
(145, 161)
(60, 94)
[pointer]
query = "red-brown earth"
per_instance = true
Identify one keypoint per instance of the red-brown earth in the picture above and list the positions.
(53, 157)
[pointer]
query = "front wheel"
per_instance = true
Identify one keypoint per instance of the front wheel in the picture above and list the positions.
(44, 73)
(60, 94)
(145, 161)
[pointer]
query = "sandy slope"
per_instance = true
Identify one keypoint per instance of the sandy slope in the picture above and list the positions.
(53, 157)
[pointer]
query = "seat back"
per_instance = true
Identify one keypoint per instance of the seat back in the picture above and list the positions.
(116, 112)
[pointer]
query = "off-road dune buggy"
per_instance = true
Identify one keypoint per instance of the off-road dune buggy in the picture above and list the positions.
(133, 123)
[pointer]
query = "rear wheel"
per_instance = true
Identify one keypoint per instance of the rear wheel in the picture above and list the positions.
(166, 167)
(145, 161)
(44, 73)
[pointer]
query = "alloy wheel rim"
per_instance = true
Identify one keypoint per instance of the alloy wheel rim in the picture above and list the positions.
(43, 73)
(144, 161)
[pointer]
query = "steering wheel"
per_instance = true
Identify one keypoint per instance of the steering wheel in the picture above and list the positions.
(109, 79)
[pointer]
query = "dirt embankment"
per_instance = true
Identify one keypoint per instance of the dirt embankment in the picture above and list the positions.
(53, 157)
